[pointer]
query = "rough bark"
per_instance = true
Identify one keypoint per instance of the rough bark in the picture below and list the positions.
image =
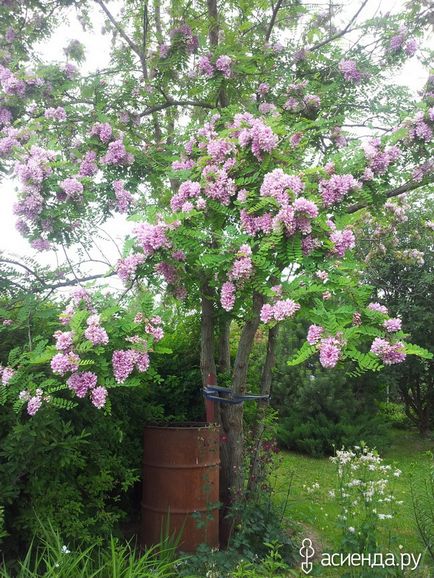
(231, 453)
(213, 30)
(256, 470)
(207, 361)
(224, 357)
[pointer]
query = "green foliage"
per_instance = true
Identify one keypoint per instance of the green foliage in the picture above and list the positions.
(422, 494)
(322, 409)
(50, 557)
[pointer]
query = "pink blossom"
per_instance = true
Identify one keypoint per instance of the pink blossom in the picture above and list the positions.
(281, 310)
(336, 188)
(99, 396)
(349, 70)
(314, 334)
(263, 88)
(254, 133)
(151, 237)
(117, 154)
(377, 307)
(392, 325)
(390, 353)
(64, 362)
(295, 139)
(227, 296)
(343, 241)
(123, 364)
(123, 197)
(7, 322)
(82, 382)
(6, 374)
(223, 64)
(411, 47)
(96, 334)
(72, 188)
(55, 113)
(205, 66)
(34, 404)
(88, 166)
(328, 354)
(64, 340)
(103, 131)
(126, 268)
(278, 184)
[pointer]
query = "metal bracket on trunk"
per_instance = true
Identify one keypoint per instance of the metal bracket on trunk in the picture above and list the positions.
(213, 392)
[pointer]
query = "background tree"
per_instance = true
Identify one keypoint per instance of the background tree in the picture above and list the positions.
(399, 265)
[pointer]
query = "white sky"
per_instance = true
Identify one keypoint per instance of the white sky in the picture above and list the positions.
(97, 52)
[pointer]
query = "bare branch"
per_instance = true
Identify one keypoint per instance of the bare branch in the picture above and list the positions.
(405, 188)
(273, 19)
(170, 103)
(134, 47)
(341, 32)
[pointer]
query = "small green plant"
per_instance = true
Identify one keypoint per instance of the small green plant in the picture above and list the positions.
(49, 557)
(422, 495)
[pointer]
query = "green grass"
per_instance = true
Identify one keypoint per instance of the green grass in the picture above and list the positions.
(316, 514)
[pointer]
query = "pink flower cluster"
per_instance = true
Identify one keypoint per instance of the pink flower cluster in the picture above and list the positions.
(378, 160)
(278, 311)
(205, 66)
(242, 267)
(72, 188)
(124, 362)
(55, 113)
(117, 154)
(227, 296)
(33, 402)
(314, 334)
(94, 332)
(420, 129)
(88, 166)
(6, 374)
(63, 363)
(343, 241)
(85, 382)
(349, 70)
(126, 268)
(389, 353)
(187, 190)
(333, 190)
(392, 325)
(224, 65)
(278, 184)
(378, 308)
(123, 197)
(253, 132)
(219, 185)
(103, 131)
(153, 328)
(329, 351)
(10, 84)
(64, 340)
(151, 237)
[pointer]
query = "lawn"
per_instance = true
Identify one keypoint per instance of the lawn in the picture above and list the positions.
(316, 513)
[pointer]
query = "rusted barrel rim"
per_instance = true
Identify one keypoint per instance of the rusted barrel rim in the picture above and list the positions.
(183, 425)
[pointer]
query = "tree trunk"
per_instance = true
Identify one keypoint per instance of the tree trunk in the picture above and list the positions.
(207, 361)
(224, 359)
(256, 470)
(231, 478)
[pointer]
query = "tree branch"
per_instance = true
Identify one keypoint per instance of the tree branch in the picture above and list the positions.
(340, 33)
(134, 47)
(273, 20)
(405, 188)
(170, 103)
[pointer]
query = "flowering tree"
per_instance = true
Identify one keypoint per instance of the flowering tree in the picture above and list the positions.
(245, 164)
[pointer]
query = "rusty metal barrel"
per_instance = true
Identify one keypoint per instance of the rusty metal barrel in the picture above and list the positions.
(181, 484)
